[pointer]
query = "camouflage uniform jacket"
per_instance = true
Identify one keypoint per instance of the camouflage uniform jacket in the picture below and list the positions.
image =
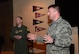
(60, 30)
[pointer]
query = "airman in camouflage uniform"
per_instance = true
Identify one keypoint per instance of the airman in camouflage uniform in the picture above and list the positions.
(58, 37)
(61, 32)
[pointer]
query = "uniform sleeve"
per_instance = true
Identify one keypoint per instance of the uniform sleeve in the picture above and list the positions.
(63, 37)
(40, 39)
(25, 32)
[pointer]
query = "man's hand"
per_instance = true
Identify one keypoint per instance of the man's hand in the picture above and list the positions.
(48, 39)
(31, 36)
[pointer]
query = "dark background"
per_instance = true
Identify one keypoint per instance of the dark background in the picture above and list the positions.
(69, 11)
(3, 0)
(6, 24)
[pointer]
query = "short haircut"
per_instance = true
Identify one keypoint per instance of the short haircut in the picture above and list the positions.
(20, 17)
(55, 7)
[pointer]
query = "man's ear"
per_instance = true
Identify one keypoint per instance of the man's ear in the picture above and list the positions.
(55, 11)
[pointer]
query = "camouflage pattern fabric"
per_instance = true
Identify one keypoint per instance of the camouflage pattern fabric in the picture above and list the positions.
(61, 31)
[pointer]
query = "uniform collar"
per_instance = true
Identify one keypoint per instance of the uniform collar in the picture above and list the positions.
(57, 21)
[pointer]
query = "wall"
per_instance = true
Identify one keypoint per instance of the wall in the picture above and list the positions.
(24, 8)
(75, 39)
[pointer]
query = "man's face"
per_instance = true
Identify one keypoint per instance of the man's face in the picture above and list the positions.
(51, 13)
(18, 21)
